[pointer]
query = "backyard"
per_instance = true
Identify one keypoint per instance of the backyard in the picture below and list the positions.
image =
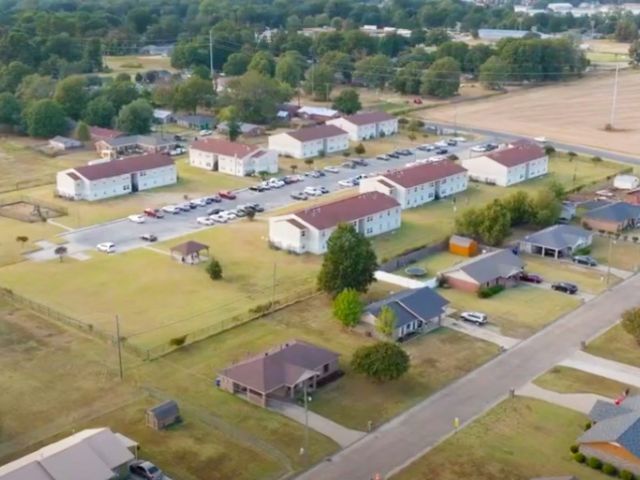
(569, 380)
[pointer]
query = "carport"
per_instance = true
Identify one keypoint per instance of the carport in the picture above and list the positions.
(556, 241)
(190, 252)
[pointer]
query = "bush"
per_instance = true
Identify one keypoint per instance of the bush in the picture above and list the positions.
(489, 292)
(214, 269)
(579, 457)
(609, 469)
(403, 121)
(382, 361)
(627, 475)
(574, 448)
(549, 150)
(596, 159)
(178, 341)
(582, 251)
(594, 463)
(359, 149)
(587, 426)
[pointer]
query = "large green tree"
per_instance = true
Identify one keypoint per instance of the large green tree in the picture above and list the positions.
(340, 63)
(382, 361)
(453, 49)
(520, 207)
(634, 53)
(347, 101)
(631, 323)
(71, 93)
(375, 71)
(35, 87)
(100, 112)
(10, 109)
(547, 208)
(494, 73)
(626, 30)
(350, 262)
(347, 307)
(193, 93)
(45, 118)
(121, 93)
(319, 82)
(12, 75)
(408, 78)
(255, 98)
(496, 223)
(263, 63)
(237, 64)
(442, 80)
(386, 321)
(136, 117)
(289, 69)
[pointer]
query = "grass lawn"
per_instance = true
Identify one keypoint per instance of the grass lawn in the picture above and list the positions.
(10, 250)
(587, 279)
(624, 255)
(512, 311)
(433, 264)
(133, 64)
(607, 57)
(519, 439)
(569, 380)
(616, 344)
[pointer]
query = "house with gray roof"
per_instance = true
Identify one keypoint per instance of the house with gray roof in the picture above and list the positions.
(615, 434)
(556, 241)
(416, 311)
(196, 121)
(134, 144)
(499, 267)
(64, 143)
(614, 217)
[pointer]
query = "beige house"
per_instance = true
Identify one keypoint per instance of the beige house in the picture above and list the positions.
(310, 142)
(367, 125)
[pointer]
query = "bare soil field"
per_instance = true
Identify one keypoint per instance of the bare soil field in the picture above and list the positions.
(572, 112)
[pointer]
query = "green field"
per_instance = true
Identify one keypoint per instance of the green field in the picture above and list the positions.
(133, 64)
(435, 263)
(569, 380)
(616, 344)
(517, 440)
(10, 250)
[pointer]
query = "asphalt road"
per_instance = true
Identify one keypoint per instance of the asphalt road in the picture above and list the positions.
(413, 433)
(126, 234)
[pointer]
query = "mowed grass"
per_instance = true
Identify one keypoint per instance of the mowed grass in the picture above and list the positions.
(157, 297)
(11, 251)
(616, 344)
(518, 312)
(519, 439)
(436, 263)
(621, 254)
(569, 380)
(133, 64)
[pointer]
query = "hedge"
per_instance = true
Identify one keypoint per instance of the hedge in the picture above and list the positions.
(574, 448)
(579, 457)
(627, 475)
(488, 292)
(609, 469)
(594, 463)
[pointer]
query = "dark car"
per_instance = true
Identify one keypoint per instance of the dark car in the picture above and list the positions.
(490, 146)
(530, 277)
(256, 207)
(442, 151)
(214, 198)
(405, 152)
(214, 211)
(324, 190)
(360, 161)
(240, 212)
(393, 155)
(149, 237)
(565, 287)
(585, 260)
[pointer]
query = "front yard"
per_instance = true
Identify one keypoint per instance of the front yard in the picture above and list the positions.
(620, 254)
(616, 344)
(569, 380)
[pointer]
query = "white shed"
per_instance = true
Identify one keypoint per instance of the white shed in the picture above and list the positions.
(626, 182)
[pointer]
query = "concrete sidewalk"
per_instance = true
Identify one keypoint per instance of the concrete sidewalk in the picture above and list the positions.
(580, 402)
(483, 333)
(339, 434)
(620, 372)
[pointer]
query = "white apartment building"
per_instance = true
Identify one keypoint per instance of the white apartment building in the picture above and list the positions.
(419, 184)
(310, 142)
(232, 158)
(116, 177)
(518, 162)
(368, 125)
(308, 230)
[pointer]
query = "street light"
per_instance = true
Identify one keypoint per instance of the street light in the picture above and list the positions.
(611, 242)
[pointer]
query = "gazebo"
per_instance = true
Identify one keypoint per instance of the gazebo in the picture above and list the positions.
(189, 252)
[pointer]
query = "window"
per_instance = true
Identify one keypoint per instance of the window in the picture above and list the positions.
(369, 230)
(369, 219)
(325, 368)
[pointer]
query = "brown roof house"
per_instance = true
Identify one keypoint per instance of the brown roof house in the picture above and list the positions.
(189, 251)
(518, 162)
(500, 267)
(309, 230)
(419, 184)
(310, 142)
(614, 217)
(367, 125)
(280, 373)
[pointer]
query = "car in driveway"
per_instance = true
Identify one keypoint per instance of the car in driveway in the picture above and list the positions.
(106, 247)
(137, 218)
(474, 317)
(149, 237)
(299, 196)
(153, 213)
(585, 260)
(530, 277)
(227, 194)
(565, 287)
(171, 209)
(145, 470)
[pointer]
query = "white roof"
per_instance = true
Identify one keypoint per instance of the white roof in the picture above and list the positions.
(325, 112)
(162, 114)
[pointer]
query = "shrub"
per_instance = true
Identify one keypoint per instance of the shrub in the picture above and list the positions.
(382, 361)
(579, 457)
(214, 269)
(627, 475)
(178, 341)
(609, 469)
(635, 239)
(582, 251)
(574, 448)
(596, 159)
(594, 463)
(403, 121)
(549, 150)
(359, 149)
(488, 292)
(587, 426)
(411, 137)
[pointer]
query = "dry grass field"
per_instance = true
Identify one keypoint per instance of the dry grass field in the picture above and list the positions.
(573, 112)
(133, 64)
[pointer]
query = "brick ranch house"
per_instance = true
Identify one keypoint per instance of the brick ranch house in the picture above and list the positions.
(500, 267)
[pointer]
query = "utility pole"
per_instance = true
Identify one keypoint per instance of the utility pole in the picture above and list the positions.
(615, 97)
(609, 261)
(306, 425)
(211, 52)
(118, 340)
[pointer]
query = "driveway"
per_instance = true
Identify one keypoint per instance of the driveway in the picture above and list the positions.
(605, 368)
(413, 433)
(580, 402)
(484, 333)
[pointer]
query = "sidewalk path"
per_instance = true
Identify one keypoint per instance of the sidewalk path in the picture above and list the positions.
(483, 333)
(339, 434)
(605, 368)
(580, 402)
(582, 295)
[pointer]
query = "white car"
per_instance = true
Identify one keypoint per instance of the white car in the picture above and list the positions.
(205, 133)
(442, 143)
(347, 182)
(331, 169)
(479, 148)
(313, 191)
(137, 218)
(474, 317)
(437, 158)
(171, 209)
(201, 202)
(219, 218)
(106, 247)
(275, 183)
(460, 139)
(205, 221)
(228, 214)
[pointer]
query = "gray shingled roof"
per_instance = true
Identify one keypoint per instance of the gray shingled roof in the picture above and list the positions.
(168, 409)
(409, 305)
(602, 410)
(615, 212)
(558, 237)
(622, 429)
(492, 265)
(147, 140)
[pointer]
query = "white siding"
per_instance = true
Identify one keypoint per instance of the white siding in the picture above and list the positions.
(67, 186)
(202, 159)
(285, 144)
(156, 177)
(238, 166)
(484, 169)
(287, 236)
(368, 131)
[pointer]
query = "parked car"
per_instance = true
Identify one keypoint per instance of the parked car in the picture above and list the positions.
(331, 169)
(530, 277)
(441, 143)
(153, 213)
(313, 191)
(214, 211)
(275, 183)
(205, 133)
(347, 182)
(256, 207)
(240, 212)
(585, 260)
(565, 287)
(146, 470)
(299, 196)
(220, 218)
(148, 237)
(479, 148)
(406, 152)
(350, 165)
(258, 188)
(137, 218)
(200, 202)
(229, 214)
(106, 247)
(323, 190)
(393, 155)
(460, 139)
(360, 162)
(315, 174)
(442, 151)
(185, 207)
(205, 221)
(452, 142)
(214, 198)
(474, 317)
(171, 209)
(491, 146)
(227, 194)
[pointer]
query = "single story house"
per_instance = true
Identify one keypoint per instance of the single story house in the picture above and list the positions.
(500, 267)
(134, 144)
(281, 373)
(317, 114)
(419, 184)
(196, 121)
(310, 142)
(308, 230)
(163, 415)
(116, 177)
(518, 162)
(233, 158)
(161, 50)
(287, 111)
(556, 241)
(613, 437)
(463, 246)
(613, 217)
(92, 454)
(100, 133)
(367, 125)
(246, 129)
(626, 182)
(64, 143)
(416, 310)
(163, 116)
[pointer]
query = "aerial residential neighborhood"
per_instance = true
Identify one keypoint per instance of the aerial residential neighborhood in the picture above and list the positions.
(343, 240)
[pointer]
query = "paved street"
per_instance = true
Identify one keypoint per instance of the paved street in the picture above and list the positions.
(413, 433)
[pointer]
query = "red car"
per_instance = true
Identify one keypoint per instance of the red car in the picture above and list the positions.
(531, 277)
(153, 212)
(417, 101)
(229, 195)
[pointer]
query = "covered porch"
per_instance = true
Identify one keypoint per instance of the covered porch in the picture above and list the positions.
(190, 252)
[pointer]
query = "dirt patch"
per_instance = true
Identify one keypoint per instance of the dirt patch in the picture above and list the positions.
(29, 212)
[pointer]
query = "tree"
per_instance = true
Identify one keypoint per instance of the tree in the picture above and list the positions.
(496, 223)
(60, 251)
(350, 262)
(12, 75)
(520, 208)
(99, 112)
(263, 63)
(10, 109)
(382, 361)
(82, 132)
(456, 50)
(45, 118)
(202, 72)
(407, 79)
(22, 240)
(237, 64)
(634, 53)
(494, 73)
(233, 129)
(340, 63)
(136, 117)
(547, 208)
(347, 307)
(347, 101)
(214, 269)
(375, 71)
(626, 30)
(92, 55)
(289, 70)
(386, 321)
(476, 57)
(436, 36)
(255, 98)
(121, 94)
(319, 82)
(442, 80)
(192, 93)
(557, 189)
(35, 87)
(71, 93)
(631, 323)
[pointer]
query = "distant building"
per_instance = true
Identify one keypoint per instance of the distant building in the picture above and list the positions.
(613, 217)
(494, 34)
(246, 129)
(558, 241)
(64, 143)
(315, 31)
(233, 158)
(196, 121)
(102, 134)
(317, 114)
(626, 182)
(157, 50)
(310, 142)
(134, 144)
(366, 126)
(163, 116)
